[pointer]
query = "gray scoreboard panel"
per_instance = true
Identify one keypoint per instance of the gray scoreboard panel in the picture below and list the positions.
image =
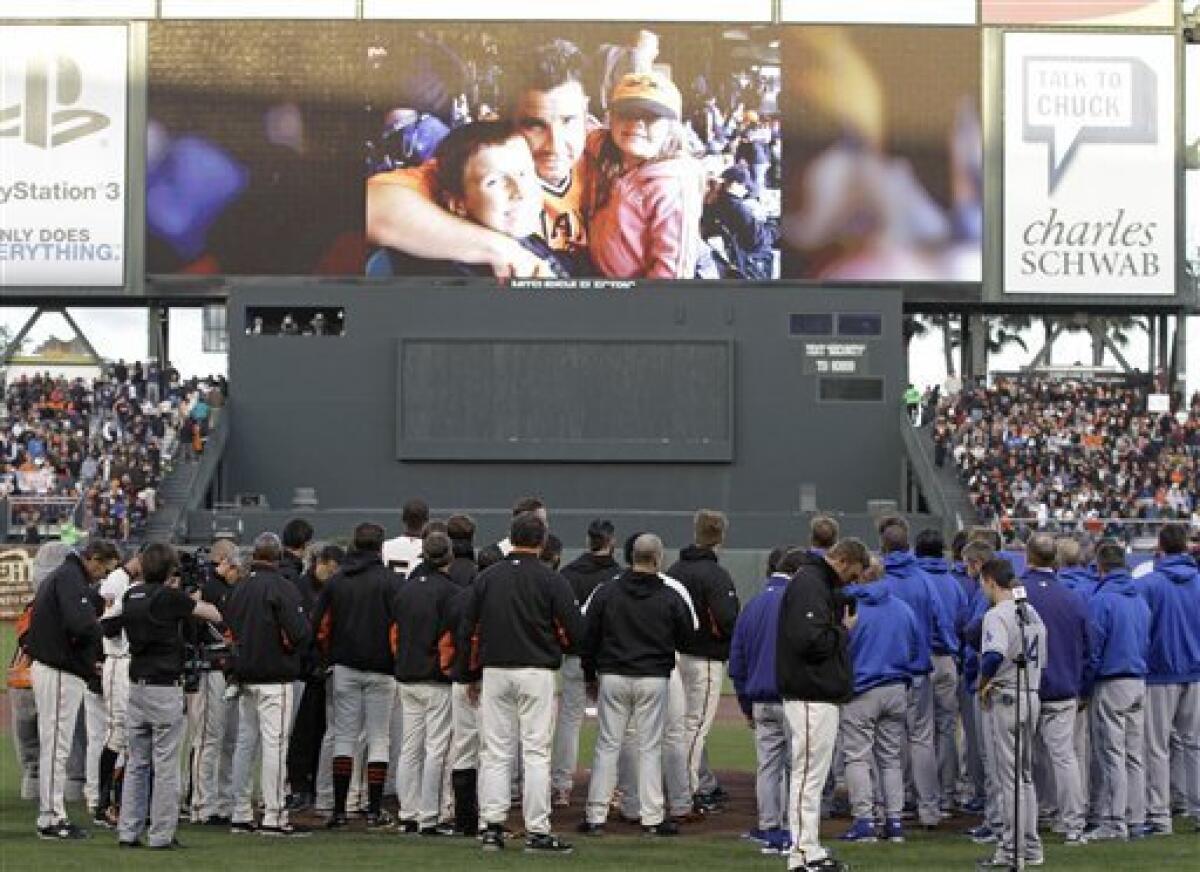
(653, 401)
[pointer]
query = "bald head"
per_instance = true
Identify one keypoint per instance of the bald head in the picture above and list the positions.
(647, 553)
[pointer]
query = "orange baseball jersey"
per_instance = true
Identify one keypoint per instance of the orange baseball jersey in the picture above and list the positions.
(562, 215)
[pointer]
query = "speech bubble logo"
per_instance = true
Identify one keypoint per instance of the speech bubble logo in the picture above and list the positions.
(1069, 101)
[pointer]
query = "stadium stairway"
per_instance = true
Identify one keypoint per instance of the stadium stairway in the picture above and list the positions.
(941, 488)
(186, 486)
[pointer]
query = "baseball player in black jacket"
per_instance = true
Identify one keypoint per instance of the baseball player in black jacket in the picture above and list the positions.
(64, 643)
(635, 623)
(518, 622)
(703, 659)
(424, 654)
(585, 573)
(812, 665)
(269, 628)
(353, 618)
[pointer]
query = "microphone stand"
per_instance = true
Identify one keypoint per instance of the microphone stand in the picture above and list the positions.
(1022, 664)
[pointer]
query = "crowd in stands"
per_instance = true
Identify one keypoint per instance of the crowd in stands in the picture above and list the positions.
(106, 441)
(1070, 454)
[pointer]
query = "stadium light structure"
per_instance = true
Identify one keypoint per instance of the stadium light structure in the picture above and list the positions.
(71, 9)
(315, 9)
(748, 11)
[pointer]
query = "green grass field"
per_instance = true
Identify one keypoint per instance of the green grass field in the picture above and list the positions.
(731, 749)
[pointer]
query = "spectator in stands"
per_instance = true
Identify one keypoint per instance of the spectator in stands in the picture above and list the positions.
(103, 442)
(1067, 454)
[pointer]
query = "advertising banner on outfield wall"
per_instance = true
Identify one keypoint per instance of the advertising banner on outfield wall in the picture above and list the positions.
(1089, 164)
(62, 155)
(1091, 13)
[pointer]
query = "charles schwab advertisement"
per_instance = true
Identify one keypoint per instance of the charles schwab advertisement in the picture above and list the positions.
(1089, 164)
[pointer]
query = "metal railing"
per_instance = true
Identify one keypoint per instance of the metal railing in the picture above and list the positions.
(45, 514)
(1140, 534)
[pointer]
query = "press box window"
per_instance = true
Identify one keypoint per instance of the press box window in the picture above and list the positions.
(295, 321)
(816, 324)
(860, 325)
(850, 390)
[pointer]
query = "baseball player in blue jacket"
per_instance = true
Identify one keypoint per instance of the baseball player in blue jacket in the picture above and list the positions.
(883, 648)
(752, 670)
(905, 580)
(1172, 592)
(1063, 676)
(951, 601)
(1120, 645)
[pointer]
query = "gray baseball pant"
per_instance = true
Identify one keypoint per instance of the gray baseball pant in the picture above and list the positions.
(973, 763)
(156, 723)
(1172, 708)
(1118, 741)
(773, 750)
(362, 702)
(945, 719)
(1003, 711)
(873, 734)
(922, 757)
(1056, 740)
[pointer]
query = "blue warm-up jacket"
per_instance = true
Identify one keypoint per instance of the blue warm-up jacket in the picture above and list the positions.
(1120, 629)
(908, 582)
(1172, 591)
(883, 644)
(752, 650)
(952, 603)
(1065, 614)
(1080, 579)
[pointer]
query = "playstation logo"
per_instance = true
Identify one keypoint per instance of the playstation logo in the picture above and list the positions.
(44, 128)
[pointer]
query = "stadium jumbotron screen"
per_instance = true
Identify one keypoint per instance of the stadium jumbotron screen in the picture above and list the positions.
(636, 152)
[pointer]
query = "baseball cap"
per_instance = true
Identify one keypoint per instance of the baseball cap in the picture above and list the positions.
(737, 173)
(649, 92)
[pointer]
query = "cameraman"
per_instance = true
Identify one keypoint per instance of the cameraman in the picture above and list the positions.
(269, 628)
(212, 719)
(153, 615)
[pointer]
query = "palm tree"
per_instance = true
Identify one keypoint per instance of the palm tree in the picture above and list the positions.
(921, 325)
(1006, 330)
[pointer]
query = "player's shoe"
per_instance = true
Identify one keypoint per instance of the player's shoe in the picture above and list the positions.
(756, 835)
(779, 842)
(893, 830)
(982, 835)
(588, 828)
(826, 864)
(661, 830)
(863, 831)
(492, 838)
(63, 831)
(1104, 834)
(547, 843)
(284, 831)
